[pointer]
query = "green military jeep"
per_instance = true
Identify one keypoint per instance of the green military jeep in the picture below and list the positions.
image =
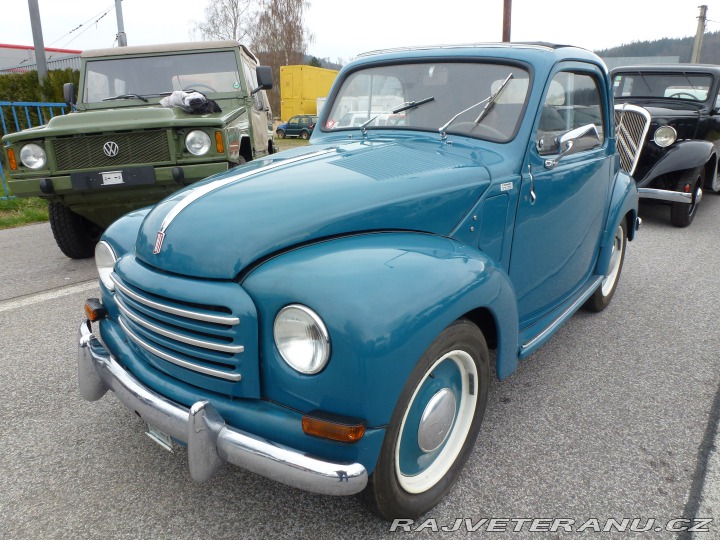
(125, 146)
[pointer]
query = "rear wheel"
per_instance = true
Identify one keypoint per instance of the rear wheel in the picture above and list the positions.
(604, 293)
(75, 236)
(682, 214)
(304, 135)
(434, 426)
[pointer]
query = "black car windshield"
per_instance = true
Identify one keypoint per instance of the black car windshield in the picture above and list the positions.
(378, 98)
(679, 85)
(206, 72)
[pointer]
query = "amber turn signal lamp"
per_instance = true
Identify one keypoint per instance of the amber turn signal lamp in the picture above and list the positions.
(11, 159)
(219, 142)
(334, 431)
(94, 310)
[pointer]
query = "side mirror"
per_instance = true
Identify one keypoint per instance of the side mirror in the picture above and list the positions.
(69, 93)
(264, 77)
(569, 143)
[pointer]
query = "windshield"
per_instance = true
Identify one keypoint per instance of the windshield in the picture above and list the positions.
(687, 86)
(206, 72)
(378, 98)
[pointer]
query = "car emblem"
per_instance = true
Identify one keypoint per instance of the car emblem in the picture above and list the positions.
(158, 242)
(111, 149)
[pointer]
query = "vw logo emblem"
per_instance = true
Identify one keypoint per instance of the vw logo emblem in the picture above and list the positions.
(111, 149)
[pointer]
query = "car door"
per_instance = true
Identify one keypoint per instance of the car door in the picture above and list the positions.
(258, 112)
(293, 127)
(563, 206)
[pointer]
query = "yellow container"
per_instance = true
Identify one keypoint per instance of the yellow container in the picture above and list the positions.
(300, 86)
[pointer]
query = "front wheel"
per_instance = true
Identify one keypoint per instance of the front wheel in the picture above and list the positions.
(682, 214)
(433, 427)
(75, 236)
(604, 293)
(280, 133)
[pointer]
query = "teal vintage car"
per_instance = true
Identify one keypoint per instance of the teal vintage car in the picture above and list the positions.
(323, 316)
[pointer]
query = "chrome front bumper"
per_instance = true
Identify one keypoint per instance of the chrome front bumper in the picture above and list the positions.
(209, 440)
(666, 195)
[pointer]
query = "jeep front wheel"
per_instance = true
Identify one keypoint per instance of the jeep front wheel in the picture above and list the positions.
(75, 236)
(434, 426)
(682, 214)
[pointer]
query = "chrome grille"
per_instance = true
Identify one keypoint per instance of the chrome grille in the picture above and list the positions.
(86, 151)
(631, 127)
(198, 338)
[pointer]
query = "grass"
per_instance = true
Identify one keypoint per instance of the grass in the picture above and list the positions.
(18, 212)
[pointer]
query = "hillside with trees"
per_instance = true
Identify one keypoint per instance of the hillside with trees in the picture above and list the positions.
(680, 47)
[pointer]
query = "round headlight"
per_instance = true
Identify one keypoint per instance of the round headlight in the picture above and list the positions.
(302, 339)
(665, 136)
(33, 156)
(197, 142)
(105, 262)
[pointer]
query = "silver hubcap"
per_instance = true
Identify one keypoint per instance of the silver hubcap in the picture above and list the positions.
(436, 421)
(609, 281)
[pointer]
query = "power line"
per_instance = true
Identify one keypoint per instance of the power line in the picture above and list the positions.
(97, 17)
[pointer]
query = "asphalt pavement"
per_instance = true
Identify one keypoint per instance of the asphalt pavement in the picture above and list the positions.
(615, 418)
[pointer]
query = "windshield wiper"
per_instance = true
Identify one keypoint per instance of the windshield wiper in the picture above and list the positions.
(404, 107)
(127, 96)
(489, 103)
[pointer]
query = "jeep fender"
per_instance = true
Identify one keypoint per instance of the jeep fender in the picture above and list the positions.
(623, 202)
(384, 298)
(679, 157)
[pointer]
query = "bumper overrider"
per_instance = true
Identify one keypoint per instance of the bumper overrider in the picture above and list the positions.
(210, 442)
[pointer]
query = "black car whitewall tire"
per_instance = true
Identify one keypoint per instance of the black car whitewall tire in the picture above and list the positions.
(603, 295)
(434, 426)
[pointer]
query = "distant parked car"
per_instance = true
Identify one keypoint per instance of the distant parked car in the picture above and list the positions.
(668, 132)
(301, 126)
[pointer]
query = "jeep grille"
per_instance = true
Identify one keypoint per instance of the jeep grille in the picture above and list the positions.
(196, 337)
(86, 151)
(631, 127)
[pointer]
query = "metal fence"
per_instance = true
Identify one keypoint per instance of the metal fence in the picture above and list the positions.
(18, 115)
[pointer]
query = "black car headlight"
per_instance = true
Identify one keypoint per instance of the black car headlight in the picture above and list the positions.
(665, 136)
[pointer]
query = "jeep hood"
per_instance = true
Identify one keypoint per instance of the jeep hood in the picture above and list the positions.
(125, 118)
(216, 228)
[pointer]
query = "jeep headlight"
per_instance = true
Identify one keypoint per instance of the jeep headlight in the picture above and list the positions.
(33, 156)
(302, 339)
(665, 136)
(197, 142)
(105, 262)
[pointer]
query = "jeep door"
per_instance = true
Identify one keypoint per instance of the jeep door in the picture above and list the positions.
(259, 113)
(563, 203)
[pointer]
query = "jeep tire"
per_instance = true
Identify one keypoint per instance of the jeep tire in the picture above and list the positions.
(75, 236)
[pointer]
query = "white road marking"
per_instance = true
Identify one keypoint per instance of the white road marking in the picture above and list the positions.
(37, 298)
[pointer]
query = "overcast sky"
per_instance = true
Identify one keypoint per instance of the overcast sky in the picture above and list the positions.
(345, 28)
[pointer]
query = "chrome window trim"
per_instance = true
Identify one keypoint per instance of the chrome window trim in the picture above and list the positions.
(217, 319)
(234, 377)
(232, 349)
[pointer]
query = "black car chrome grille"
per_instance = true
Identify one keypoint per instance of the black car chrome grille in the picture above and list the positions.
(631, 127)
(86, 151)
(200, 338)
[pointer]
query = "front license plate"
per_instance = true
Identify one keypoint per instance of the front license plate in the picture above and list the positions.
(112, 178)
(160, 437)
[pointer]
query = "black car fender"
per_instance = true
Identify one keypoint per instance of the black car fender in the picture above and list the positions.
(680, 156)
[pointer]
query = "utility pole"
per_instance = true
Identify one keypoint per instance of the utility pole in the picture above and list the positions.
(697, 45)
(507, 18)
(38, 42)
(121, 37)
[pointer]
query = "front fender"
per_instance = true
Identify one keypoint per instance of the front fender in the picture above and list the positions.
(681, 156)
(623, 203)
(384, 298)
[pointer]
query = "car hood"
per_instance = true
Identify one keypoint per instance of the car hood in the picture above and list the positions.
(103, 120)
(216, 228)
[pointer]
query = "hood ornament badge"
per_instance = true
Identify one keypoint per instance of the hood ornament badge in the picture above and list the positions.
(158, 242)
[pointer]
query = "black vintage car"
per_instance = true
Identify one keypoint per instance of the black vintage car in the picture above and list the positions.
(667, 121)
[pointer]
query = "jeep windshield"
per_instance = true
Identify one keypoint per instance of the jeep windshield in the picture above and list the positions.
(374, 98)
(141, 77)
(680, 85)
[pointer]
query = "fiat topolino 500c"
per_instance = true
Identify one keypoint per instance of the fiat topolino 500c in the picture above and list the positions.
(323, 316)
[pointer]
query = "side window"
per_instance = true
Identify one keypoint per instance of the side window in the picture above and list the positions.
(717, 101)
(573, 100)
